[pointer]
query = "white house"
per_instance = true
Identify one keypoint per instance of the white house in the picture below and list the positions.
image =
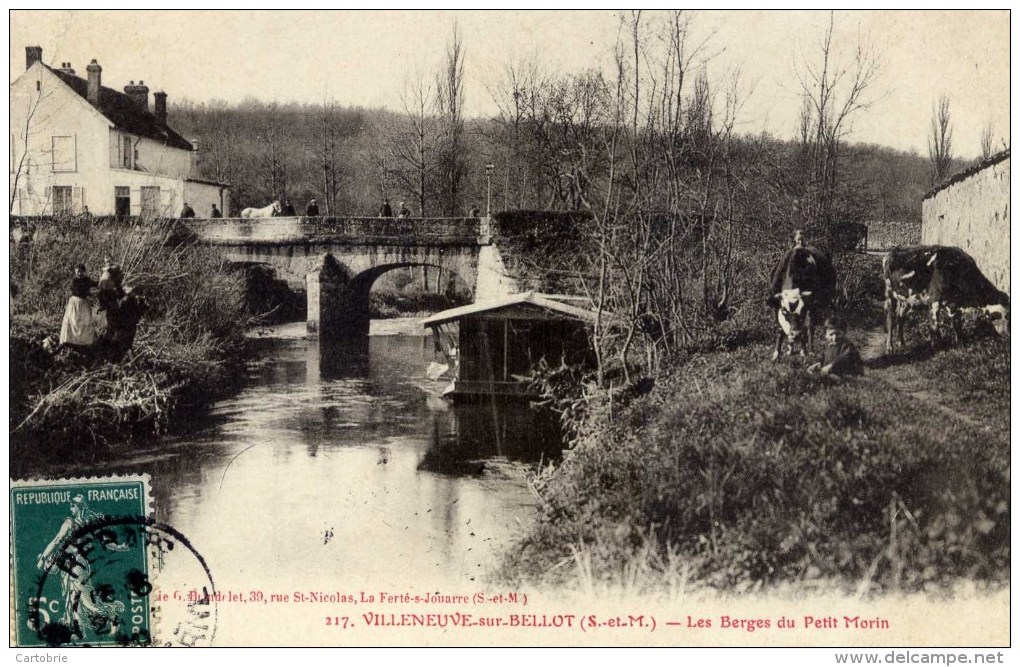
(78, 144)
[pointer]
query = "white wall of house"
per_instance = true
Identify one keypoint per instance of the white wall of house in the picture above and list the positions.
(201, 197)
(156, 158)
(149, 195)
(65, 155)
(57, 140)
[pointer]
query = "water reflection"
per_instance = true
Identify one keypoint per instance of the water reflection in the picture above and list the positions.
(338, 468)
(465, 435)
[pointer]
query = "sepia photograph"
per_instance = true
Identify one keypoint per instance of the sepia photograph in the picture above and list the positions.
(511, 328)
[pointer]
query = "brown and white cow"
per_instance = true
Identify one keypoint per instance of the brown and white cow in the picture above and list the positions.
(801, 287)
(944, 279)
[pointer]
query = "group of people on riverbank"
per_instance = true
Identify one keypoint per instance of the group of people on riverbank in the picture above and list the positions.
(101, 315)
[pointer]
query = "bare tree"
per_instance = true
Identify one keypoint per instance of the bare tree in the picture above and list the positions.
(987, 139)
(21, 150)
(837, 90)
(329, 157)
(516, 96)
(272, 160)
(450, 107)
(940, 141)
(413, 143)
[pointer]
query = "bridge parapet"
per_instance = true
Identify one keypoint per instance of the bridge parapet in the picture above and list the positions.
(382, 231)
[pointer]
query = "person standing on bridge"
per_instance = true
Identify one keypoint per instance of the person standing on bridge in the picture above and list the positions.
(288, 209)
(386, 211)
(404, 211)
(312, 210)
(215, 212)
(187, 211)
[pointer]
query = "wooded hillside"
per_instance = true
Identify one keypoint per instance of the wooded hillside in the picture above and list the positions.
(350, 158)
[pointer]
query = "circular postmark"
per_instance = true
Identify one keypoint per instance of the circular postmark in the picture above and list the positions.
(113, 575)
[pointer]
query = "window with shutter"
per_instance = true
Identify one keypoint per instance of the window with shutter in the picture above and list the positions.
(150, 202)
(114, 148)
(63, 202)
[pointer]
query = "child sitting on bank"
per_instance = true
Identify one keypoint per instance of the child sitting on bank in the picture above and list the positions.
(840, 357)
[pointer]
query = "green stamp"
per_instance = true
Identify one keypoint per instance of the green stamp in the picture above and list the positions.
(80, 562)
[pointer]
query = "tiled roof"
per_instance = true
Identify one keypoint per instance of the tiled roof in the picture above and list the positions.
(125, 113)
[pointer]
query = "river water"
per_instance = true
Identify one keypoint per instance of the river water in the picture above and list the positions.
(342, 472)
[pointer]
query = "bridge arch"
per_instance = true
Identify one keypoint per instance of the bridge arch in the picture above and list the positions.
(362, 250)
(363, 282)
(339, 303)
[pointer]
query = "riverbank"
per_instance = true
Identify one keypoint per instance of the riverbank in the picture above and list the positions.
(71, 407)
(68, 404)
(741, 475)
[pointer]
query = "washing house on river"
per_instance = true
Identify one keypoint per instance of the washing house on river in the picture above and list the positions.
(487, 344)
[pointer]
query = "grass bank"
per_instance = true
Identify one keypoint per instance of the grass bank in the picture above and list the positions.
(738, 474)
(188, 351)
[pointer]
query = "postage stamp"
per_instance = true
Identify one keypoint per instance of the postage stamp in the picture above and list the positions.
(80, 570)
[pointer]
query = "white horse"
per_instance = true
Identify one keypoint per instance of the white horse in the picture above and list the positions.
(267, 212)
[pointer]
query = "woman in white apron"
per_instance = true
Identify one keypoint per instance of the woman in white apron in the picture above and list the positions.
(78, 327)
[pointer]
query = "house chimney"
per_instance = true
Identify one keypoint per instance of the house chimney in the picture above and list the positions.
(160, 104)
(33, 55)
(139, 94)
(95, 81)
(66, 68)
(195, 156)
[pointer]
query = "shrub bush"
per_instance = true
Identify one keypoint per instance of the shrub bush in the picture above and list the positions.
(860, 292)
(187, 348)
(269, 299)
(385, 303)
(751, 474)
(538, 246)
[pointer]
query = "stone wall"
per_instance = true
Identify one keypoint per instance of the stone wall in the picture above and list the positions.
(886, 234)
(971, 211)
(289, 230)
(494, 281)
(293, 262)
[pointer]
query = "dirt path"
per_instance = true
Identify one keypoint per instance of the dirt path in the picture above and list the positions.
(901, 373)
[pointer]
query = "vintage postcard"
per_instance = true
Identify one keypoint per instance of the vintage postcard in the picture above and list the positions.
(510, 328)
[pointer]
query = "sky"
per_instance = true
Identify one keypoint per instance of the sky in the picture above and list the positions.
(365, 58)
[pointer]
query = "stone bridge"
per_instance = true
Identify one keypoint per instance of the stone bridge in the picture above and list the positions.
(337, 260)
